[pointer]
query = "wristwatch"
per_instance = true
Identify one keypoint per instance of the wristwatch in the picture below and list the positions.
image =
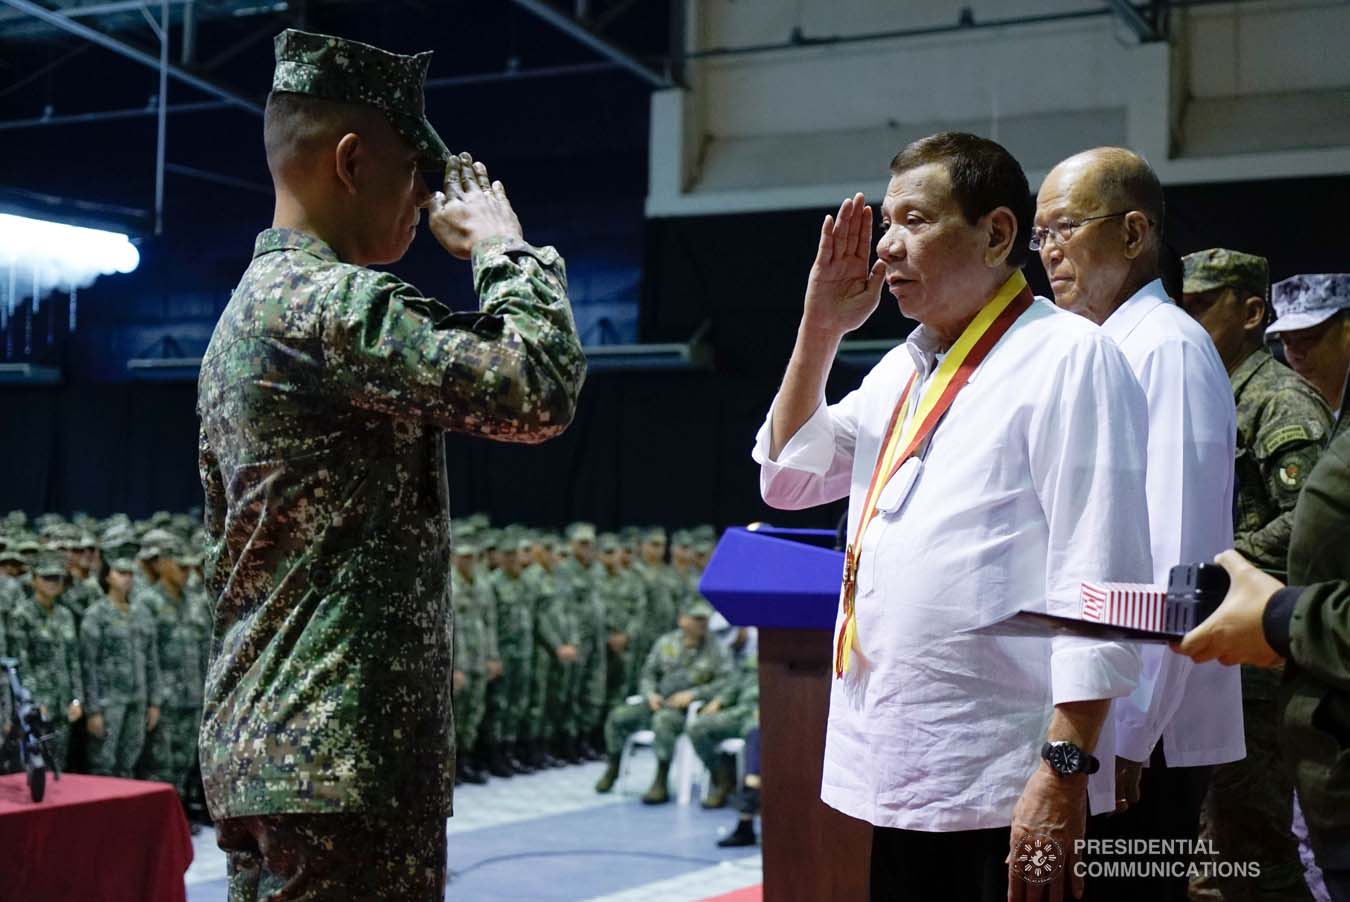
(1068, 759)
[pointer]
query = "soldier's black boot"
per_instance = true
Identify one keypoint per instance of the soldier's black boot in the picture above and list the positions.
(497, 763)
(606, 781)
(743, 835)
(659, 794)
(518, 758)
(471, 773)
(587, 752)
(724, 782)
(570, 753)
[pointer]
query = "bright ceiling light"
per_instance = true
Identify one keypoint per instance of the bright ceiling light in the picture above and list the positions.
(55, 256)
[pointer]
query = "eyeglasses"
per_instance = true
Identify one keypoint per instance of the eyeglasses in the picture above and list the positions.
(1064, 229)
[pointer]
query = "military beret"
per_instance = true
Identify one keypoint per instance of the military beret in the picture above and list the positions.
(1302, 302)
(347, 71)
(1219, 267)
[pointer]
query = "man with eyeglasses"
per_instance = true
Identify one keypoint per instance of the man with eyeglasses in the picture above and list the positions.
(1314, 327)
(1098, 230)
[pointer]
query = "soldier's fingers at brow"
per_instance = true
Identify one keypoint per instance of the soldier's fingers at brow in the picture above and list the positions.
(452, 177)
(500, 191)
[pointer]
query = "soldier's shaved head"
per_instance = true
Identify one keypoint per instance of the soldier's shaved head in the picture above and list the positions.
(298, 128)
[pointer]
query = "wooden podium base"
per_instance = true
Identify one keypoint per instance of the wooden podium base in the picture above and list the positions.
(811, 852)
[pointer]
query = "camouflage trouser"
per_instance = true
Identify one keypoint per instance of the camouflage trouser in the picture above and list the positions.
(710, 730)
(554, 683)
(508, 696)
(626, 720)
(1250, 807)
(617, 666)
(115, 754)
(331, 857)
(172, 747)
(587, 706)
(469, 704)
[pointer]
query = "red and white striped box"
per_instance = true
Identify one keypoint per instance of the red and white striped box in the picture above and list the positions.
(1136, 605)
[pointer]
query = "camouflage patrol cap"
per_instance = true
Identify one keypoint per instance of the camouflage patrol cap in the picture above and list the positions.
(28, 548)
(655, 534)
(680, 538)
(607, 543)
(467, 547)
(581, 532)
(489, 539)
(52, 565)
(335, 68)
(1218, 267)
(124, 564)
(11, 556)
(698, 607)
(1302, 302)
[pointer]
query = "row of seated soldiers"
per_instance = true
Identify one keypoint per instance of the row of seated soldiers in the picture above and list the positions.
(110, 629)
(554, 635)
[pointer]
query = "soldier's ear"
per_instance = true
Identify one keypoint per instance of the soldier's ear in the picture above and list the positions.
(345, 160)
(1254, 314)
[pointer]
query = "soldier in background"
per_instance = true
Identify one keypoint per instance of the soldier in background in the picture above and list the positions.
(119, 659)
(587, 710)
(1313, 325)
(731, 714)
(1282, 426)
(684, 666)
(475, 652)
(43, 638)
(662, 590)
(183, 635)
(556, 636)
(508, 698)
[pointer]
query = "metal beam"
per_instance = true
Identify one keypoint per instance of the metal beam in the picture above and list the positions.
(78, 29)
(592, 40)
(1143, 29)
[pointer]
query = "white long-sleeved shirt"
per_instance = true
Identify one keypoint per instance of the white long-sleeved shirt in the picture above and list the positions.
(1031, 484)
(1192, 430)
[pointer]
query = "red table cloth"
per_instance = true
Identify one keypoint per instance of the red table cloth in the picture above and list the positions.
(92, 839)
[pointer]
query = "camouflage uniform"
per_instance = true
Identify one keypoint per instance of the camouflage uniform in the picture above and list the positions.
(553, 680)
(585, 708)
(738, 712)
(475, 645)
(672, 666)
(119, 657)
(324, 395)
(183, 630)
(624, 597)
(1282, 425)
(47, 647)
(508, 698)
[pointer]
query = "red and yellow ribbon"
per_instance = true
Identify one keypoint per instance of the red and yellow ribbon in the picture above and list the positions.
(905, 435)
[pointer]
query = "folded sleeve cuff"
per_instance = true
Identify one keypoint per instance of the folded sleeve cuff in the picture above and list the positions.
(1278, 616)
(1083, 670)
(810, 450)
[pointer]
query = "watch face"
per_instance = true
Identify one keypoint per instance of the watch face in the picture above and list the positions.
(1065, 758)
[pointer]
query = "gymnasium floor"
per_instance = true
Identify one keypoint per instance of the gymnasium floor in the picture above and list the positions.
(549, 837)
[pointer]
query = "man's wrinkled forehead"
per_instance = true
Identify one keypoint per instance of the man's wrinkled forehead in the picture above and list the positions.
(926, 185)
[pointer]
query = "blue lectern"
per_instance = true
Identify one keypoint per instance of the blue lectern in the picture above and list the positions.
(786, 583)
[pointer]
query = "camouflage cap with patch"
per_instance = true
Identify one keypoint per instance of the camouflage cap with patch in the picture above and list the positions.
(333, 68)
(49, 564)
(1302, 302)
(1218, 267)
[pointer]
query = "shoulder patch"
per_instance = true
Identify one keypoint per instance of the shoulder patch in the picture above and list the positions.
(1278, 438)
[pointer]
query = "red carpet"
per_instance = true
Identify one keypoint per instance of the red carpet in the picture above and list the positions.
(749, 894)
